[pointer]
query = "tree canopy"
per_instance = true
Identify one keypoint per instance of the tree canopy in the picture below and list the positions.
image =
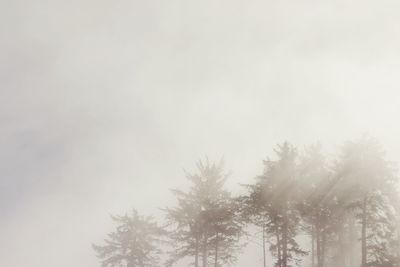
(315, 210)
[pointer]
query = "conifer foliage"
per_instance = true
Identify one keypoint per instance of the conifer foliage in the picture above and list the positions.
(311, 211)
(205, 225)
(136, 242)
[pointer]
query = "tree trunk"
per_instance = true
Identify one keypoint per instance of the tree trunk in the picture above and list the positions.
(284, 245)
(398, 248)
(205, 252)
(352, 240)
(216, 250)
(341, 256)
(364, 233)
(318, 238)
(312, 246)
(321, 239)
(323, 245)
(196, 255)
(264, 256)
(285, 236)
(278, 244)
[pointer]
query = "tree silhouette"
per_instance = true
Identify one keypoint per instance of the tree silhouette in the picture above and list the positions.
(135, 242)
(205, 222)
(367, 184)
(275, 200)
(348, 208)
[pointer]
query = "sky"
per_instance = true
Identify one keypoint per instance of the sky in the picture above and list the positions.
(104, 104)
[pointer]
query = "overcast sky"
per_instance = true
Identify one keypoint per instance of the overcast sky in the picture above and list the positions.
(104, 103)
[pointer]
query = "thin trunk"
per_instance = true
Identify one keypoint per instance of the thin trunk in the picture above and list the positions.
(216, 250)
(398, 248)
(284, 247)
(364, 234)
(285, 237)
(323, 245)
(205, 252)
(321, 238)
(312, 246)
(352, 242)
(318, 237)
(341, 256)
(196, 255)
(264, 255)
(278, 243)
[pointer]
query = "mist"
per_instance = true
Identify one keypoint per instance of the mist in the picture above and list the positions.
(104, 104)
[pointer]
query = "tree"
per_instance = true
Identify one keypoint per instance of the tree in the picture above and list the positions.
(275, 199)
(225, 227)
(205, 222)
(367, 180)
(316, 205)
(135, 242)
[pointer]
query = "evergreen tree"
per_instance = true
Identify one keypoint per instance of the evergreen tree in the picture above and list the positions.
(275, 200)
(135, 242)
(316, 205)
(367, 180)
(205, 224)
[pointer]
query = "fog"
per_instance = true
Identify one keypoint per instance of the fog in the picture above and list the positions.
(104, 104)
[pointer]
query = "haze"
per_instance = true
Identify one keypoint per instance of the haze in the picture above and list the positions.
(104, 103)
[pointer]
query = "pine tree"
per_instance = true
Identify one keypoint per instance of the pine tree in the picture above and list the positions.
(273, 205)
(205, 224)
(135, 242)
(316, 204)
(366, 182)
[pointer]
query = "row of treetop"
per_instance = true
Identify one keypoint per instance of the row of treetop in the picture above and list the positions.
(344, 211)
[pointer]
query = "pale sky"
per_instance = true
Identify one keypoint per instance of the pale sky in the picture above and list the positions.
(104, 103)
